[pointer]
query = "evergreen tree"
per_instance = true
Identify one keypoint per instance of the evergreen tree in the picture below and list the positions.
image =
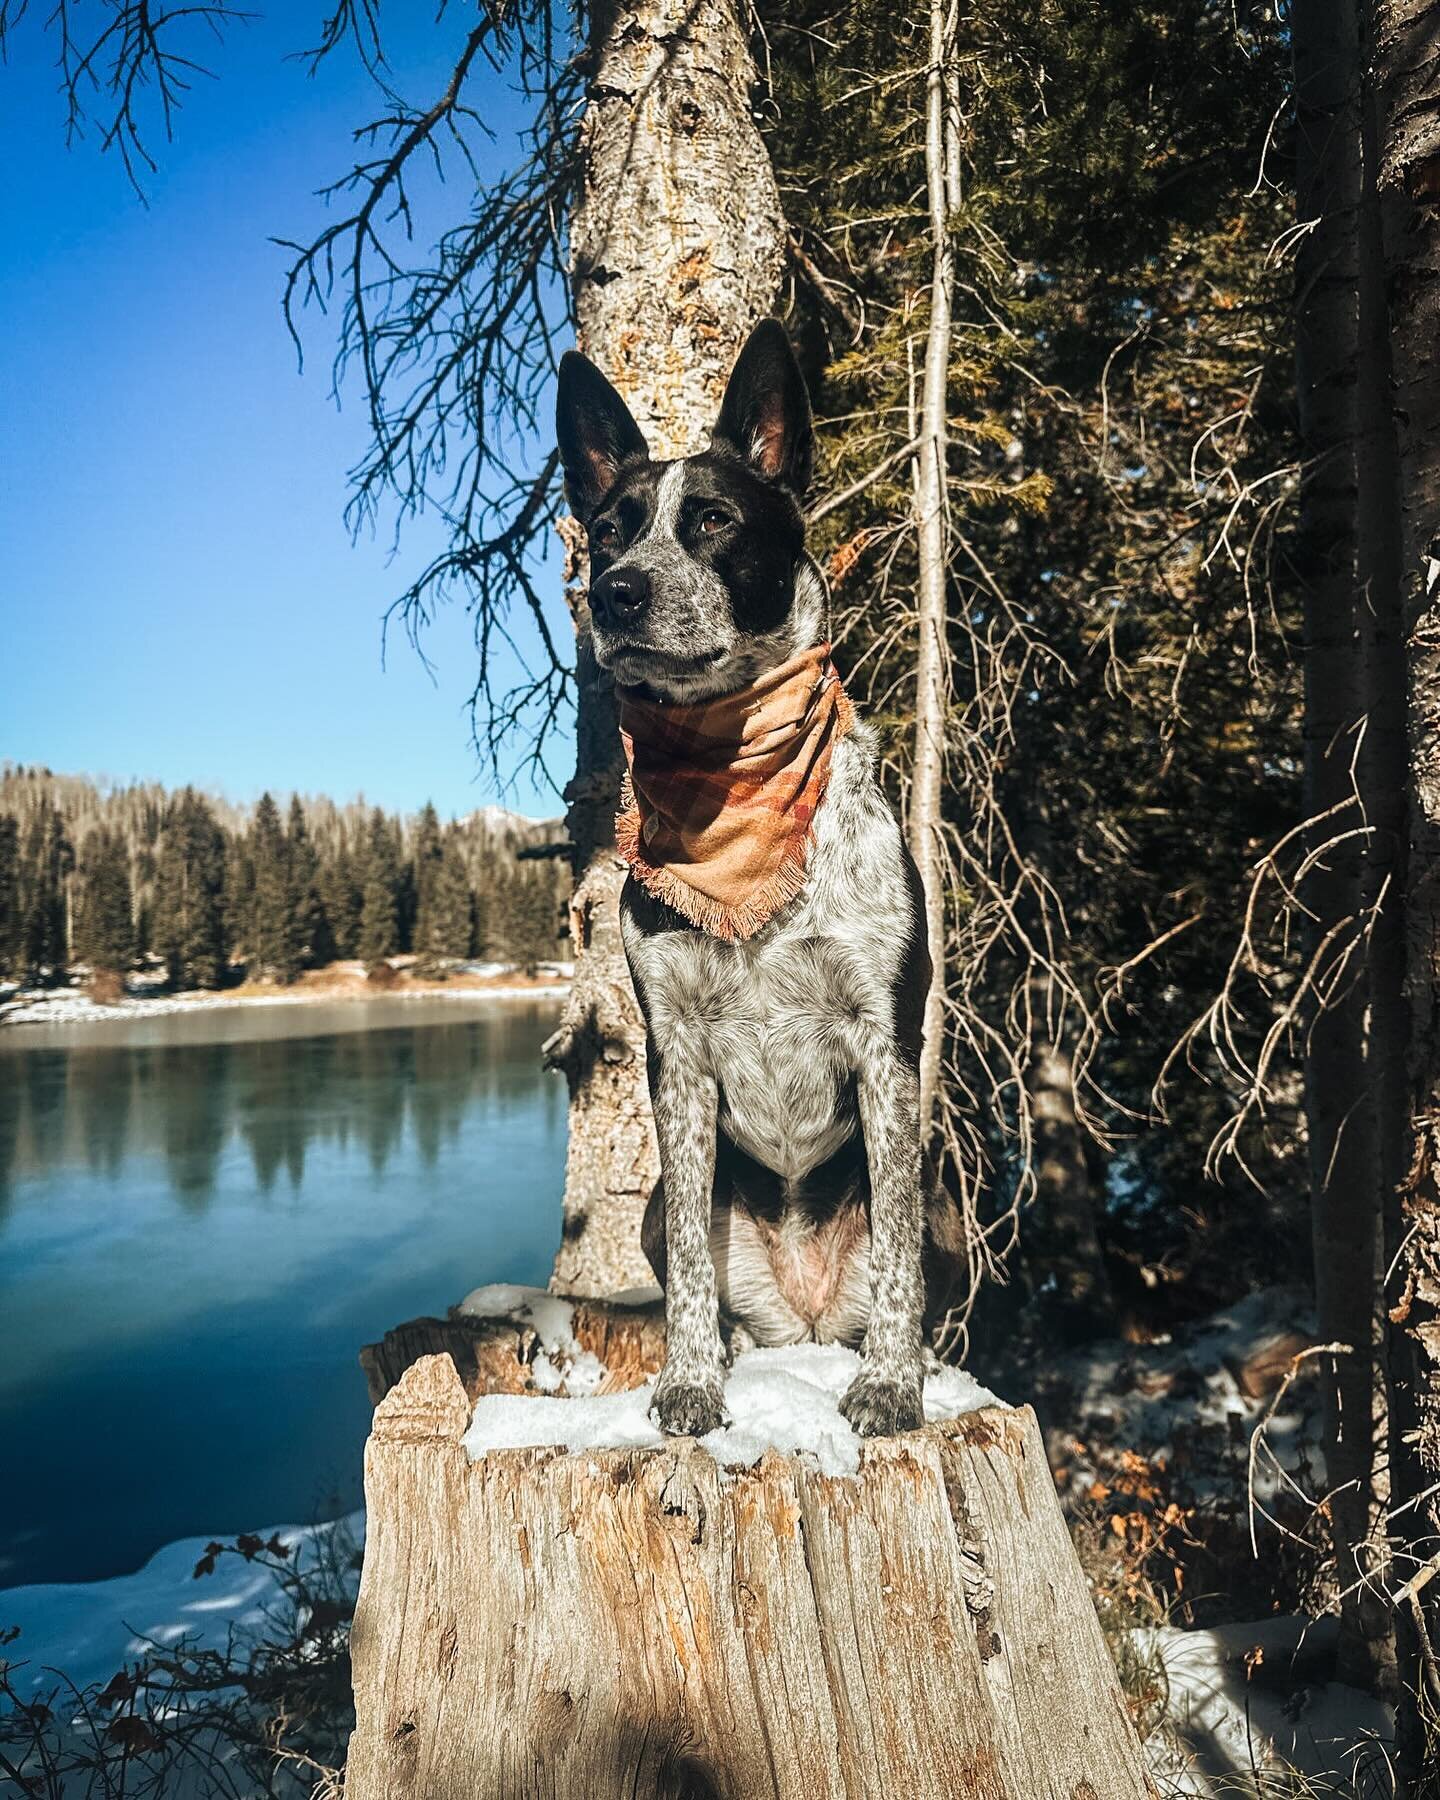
(379, 913)
(427, 861)
(9, 896)
(104, 922)
(405, 892)
(269, 939)
(451, 917)
(189, 916)
(47, 861)
(340, 896)
(311, 941)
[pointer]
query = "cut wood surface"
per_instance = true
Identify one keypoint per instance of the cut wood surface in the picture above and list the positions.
(492, 1356)
(647, 1623)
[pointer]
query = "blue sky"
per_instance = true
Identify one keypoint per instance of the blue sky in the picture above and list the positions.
(179, 596)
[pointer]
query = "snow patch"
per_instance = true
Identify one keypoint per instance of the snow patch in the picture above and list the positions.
(551, 1318)
(90, 1629)
(559, 1366)
(782, 1399)
(71, 1006)
(1238, 1701)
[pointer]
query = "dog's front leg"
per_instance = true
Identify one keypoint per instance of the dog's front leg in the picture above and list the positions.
(885, 1396)
(689, 1396)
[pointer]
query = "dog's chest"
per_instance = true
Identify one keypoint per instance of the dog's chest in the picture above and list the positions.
(785, 1022)
(783, 1052)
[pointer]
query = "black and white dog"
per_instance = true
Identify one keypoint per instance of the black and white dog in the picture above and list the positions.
(783, 1069)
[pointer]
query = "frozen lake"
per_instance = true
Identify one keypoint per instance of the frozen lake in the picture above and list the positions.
(203, 1217)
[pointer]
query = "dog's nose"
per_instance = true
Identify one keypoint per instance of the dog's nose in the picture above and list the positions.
(620, 596)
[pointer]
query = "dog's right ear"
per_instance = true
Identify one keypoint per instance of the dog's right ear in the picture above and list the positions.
(594, 430)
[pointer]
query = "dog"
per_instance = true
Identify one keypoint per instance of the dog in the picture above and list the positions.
(783, 1064)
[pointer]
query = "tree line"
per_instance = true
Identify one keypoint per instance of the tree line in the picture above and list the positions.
(113, 878)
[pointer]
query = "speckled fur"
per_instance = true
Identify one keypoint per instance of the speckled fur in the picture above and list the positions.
(783, 1069)
(795, 1056)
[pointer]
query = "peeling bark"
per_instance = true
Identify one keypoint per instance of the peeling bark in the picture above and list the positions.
(676, 250)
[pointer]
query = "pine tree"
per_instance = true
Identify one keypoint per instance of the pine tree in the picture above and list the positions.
(405, 894)
(189, 916)
(379, 913)
(104, 922)
(269, 938)
(9, 896)
(427, 863)
(341, 898)
(46, 863)
(311, 941)
(452, 920)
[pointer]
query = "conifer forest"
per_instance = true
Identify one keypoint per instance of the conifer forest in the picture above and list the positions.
(1121, 324)
(122, 877)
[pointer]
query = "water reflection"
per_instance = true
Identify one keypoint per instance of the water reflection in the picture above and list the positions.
(73, 1105)
(203, 1218)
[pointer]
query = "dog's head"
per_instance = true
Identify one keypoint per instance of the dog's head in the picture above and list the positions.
(699, 581)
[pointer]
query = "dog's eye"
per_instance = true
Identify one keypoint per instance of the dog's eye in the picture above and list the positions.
(713, 520)
(604, 535)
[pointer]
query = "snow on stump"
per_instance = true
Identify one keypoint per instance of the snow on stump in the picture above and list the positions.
(557, 1602)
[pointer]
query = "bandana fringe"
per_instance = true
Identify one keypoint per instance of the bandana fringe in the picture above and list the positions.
(735, 923)
(739, 919)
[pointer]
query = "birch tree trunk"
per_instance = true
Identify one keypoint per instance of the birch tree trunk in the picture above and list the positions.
(677, 246)
(1407, 72)
(1346, 1191)
(925, 819)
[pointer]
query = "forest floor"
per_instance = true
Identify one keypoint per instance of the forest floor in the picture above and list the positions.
(148, 995)
(1190, 1470)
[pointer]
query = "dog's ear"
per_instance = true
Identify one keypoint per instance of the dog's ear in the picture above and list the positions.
(594, 430)
(765, 414)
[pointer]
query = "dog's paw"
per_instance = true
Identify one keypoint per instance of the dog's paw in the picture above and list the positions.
(686, 1408)
(877, 1407)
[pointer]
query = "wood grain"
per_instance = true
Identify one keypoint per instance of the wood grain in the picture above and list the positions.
(647, 1623)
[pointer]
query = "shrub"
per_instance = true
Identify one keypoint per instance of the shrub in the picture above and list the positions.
(106, 987)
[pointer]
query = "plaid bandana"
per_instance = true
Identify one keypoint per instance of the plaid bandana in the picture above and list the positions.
(720, 799)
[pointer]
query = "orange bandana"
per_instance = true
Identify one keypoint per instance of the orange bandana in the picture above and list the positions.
(721, 797)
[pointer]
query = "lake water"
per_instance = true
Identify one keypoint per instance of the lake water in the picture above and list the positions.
(204, 1216)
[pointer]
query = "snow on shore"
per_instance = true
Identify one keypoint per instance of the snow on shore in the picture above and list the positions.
(85, 1631)
(73, 1006)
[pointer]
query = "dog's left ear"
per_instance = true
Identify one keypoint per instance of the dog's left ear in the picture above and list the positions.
(766, 411)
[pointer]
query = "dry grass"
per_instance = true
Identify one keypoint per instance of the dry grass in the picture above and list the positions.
(106, 987)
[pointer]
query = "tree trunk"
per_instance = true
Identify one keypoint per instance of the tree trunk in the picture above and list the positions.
(1382, 773)
(1407, 63)
(648, 1623)
(676, 250)
(926, 816)
(1346, 1194)
(1061, 1241)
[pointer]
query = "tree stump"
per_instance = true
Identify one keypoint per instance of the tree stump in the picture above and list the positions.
(647, 1623)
